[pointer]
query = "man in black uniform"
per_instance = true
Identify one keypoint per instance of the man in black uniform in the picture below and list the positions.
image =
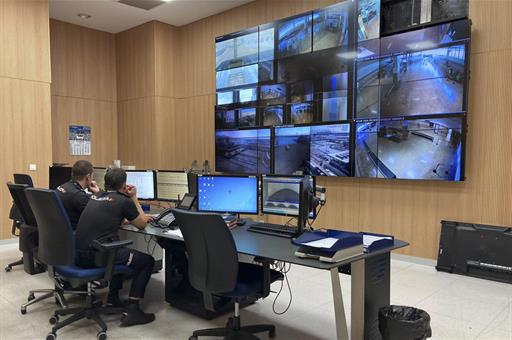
(73, 194)
(101, 219)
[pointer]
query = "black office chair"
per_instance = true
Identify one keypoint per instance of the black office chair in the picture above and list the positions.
(57, 250)
(29, 235)
(27, 260)
(214, 268)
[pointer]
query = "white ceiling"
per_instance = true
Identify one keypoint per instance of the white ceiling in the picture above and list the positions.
(112, 16)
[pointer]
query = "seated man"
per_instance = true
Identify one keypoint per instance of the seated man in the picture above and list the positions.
(101, 219)
(73, 194)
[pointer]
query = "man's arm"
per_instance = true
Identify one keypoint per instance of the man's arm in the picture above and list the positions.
(142, 219)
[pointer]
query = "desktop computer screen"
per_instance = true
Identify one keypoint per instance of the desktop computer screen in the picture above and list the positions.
(228, 194)
(144, 180)
(98, 176)
(59, 175)
(281, 195)
(171, 185)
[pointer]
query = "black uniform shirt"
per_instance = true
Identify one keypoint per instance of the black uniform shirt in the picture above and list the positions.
(74, 198)
(102, 218)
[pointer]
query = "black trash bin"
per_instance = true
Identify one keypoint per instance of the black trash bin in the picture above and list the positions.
(404, 323)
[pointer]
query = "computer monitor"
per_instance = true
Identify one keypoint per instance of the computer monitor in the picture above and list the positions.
(98, 175)
(144, 180)
(171, 185)
(281, 195)
(227, 194)
(59, 175)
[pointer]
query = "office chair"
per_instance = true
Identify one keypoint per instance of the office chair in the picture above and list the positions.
(57, 250)
(17, 221)
(214, 268)
(29, 246)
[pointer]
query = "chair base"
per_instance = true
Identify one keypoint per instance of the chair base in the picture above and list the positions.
(233, 331)
(9, 267)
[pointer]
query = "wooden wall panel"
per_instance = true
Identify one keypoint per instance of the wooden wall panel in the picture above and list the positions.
(24, 40)
(411, 210)
(101, 116)
(83, 62)
(26, 137)
(166, 55)
(135, 62)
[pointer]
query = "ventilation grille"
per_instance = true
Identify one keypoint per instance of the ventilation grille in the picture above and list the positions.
(142, 4)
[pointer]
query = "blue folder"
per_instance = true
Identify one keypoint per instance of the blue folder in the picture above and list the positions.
(346, 239)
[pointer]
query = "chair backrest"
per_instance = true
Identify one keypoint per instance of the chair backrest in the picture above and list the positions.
(23, 179)
(212, 255)
(20, 200)
(56, 239)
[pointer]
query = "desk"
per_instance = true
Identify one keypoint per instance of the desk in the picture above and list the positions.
(370, 276)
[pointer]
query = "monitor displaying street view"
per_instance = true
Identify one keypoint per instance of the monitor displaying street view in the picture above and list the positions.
(295, 36)
(330, 26)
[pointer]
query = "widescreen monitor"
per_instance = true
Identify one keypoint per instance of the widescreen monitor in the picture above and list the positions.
(295, 36)
(247, 95)
(247, 117)
(227, 194)
(224, 98)
(273, 115)
(144, 181)
(99, 177)
(59, 175)
(237, 51)
(331, 26)
(171, 185)
(243, 151)
(240, 76)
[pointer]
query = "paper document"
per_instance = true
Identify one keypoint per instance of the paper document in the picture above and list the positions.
(175, 232)
(327, 242)
(369, 239)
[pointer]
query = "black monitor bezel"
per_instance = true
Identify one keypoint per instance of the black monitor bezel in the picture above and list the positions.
(158, 198)
(154, 184)
(301, 188)
(229, 212)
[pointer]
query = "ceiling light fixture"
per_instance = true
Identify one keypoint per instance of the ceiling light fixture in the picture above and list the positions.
(84, 16)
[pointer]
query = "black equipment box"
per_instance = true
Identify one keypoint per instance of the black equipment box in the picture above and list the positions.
(477, 250)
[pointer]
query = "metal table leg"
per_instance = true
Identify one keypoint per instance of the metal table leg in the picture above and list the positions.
(357, 316)
(339, 309)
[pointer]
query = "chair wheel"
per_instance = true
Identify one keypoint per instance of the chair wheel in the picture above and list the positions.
(23, 310)
(53, 319)
(31, 297)
(272, 334)
(51, 336)
(102, 335)
(8, 269)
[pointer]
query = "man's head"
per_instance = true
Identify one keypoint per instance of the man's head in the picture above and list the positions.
(115, 179)
(82, 172)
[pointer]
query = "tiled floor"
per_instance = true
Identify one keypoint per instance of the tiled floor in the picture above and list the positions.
(460, 307)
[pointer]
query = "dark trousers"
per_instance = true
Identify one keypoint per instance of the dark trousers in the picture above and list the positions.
(141, 265)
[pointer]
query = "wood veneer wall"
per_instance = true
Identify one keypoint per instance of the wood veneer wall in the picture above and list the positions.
(83, 90)
(411, 210)
(25, 131)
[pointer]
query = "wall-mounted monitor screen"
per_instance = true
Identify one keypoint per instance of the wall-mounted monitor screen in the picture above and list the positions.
(295, 36)
(247, 117)
(235, 52)
(240, 76)
(322, 150)
(368, 19)
(243, 151)
(273, 115)
(266, 43)
(273, 94)
(331, 26)
(224, 98)
(247, 95)
(301, 91)
(429, 148)
(301, 113)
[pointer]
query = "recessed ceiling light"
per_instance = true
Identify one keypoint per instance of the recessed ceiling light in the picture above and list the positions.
(83, 16)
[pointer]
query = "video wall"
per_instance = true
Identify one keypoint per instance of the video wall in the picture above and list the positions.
(323, 93)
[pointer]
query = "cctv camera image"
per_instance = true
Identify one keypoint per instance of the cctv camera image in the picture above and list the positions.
(237, 52)
(295, 36)
(410, 149)
(243, 151)
(368, 20)
(292, 150)
(330, 150)
(330, 26)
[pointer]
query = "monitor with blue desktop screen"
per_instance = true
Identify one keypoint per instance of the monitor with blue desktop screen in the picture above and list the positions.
(228, 194)
(144, 181)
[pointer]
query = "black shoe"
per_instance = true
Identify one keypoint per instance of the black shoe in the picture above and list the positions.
(135, 316)
(116, 302)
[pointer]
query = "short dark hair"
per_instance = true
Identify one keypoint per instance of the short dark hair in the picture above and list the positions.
(81, 169)
(115, 179)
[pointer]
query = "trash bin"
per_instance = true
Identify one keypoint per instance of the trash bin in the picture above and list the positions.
(404, 323)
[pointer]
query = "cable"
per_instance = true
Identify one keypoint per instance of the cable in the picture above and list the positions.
(282, 267)
(318, 213)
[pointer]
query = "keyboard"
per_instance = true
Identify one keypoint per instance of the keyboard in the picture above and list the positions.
(273, 229)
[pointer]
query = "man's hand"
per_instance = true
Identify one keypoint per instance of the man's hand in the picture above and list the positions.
(94, 187)
(131, 191)
(148, 218)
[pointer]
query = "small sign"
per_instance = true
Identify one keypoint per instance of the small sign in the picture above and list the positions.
(79, 140)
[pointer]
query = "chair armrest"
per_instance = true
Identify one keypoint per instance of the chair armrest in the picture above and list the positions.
(111, 249)
(111, 245)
